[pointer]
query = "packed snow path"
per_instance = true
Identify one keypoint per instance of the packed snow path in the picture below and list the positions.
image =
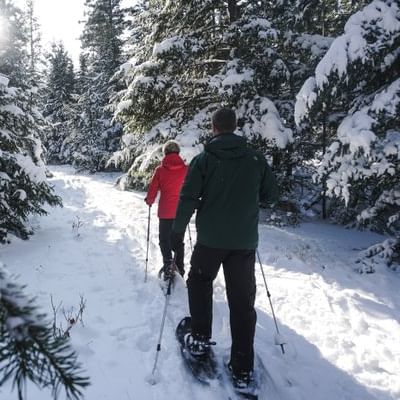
(342, 328)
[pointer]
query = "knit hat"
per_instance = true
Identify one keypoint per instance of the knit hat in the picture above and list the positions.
(171, 147)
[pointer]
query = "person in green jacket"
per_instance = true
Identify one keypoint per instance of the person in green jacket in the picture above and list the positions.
(226, 184)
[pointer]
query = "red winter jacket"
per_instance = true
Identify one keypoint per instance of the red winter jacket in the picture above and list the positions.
(168, 179)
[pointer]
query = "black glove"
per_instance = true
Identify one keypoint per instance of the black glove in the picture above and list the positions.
(177, 240)
(167, 271)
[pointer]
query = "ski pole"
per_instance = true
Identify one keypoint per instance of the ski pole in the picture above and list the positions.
(167, 297)
(190, 238)
(148, 239)
(280, 342)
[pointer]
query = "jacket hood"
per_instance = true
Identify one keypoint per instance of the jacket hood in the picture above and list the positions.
(227, 146)
(173, 161)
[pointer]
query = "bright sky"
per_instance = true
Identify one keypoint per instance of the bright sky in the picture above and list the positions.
(59, 20)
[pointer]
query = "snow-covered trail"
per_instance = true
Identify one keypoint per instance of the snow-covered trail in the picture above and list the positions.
(342, 328)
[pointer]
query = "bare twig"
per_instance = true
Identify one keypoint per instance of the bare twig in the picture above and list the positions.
(56, 331)
(69, 315)
(72, 319)
(76, 225)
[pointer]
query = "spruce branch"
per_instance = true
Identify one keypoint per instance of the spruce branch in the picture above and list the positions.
(30, 351)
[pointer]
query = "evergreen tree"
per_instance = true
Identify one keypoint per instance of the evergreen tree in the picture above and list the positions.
(358, 84)
(82, 75)
(34, 41)
(59, 102)
(13, 43)
(23, 185)
(321, 17)
(36, 59)
(96, 135)
(28, 350)
(306, 29)
(199, 56)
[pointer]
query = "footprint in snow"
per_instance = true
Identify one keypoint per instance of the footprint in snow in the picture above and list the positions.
(143, 343)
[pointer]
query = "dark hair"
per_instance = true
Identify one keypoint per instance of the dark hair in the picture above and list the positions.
(224, 120)
(171, 147)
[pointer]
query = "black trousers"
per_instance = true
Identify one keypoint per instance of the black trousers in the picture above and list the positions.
(240, 283)
(165, 230)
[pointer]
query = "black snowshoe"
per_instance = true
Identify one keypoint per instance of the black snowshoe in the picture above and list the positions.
(244, 385)
(198, 357)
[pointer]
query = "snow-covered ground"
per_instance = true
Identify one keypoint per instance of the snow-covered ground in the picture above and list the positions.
(342, 328)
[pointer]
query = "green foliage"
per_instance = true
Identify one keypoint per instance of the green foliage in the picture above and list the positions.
(30, 352)
(322, 17)
(198, 58)
(59, 102)
(23, 186)
(354, 100)
(94, 136)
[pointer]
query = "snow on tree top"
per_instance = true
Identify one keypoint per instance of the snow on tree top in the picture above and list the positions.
(236, 78)
(356, 44)
(235, 75)
(257, 23)
(36, 172)
(124, 104)
(273, 129)
(317, 44)
(357, 129)
(388, 99)
(146, 66)
(392, 147)
(12, 109)
(127, 67)
(305, 99)
(383, 14)
(263, 25)
(268, 124)
(5, 133)
(4, 80)
(168, 44)
(3, 175)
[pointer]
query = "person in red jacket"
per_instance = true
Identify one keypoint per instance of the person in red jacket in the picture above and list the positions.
(168, 179)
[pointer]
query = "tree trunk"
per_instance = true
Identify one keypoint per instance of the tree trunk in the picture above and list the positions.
(233, 10)
(324, 140)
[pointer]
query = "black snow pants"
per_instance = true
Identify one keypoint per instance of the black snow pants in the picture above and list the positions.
(165, 230)
(238, 266)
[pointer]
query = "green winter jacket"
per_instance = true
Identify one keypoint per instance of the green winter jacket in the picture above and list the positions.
(226, 184)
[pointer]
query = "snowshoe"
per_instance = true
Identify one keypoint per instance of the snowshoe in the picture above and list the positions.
(244, 384)
(197, 354)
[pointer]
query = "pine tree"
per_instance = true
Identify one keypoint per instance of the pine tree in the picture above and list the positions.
(36, 58)
(34, 41)
(13, 41)
(96, 135)
(28, 351)
(59, 103)
(321, 17)
(23, 185)
(358, 82)
(306, 29)
(198, 57)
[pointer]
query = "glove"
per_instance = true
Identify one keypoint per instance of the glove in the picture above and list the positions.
(169, 270)
(147, 202)
(176, 240)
